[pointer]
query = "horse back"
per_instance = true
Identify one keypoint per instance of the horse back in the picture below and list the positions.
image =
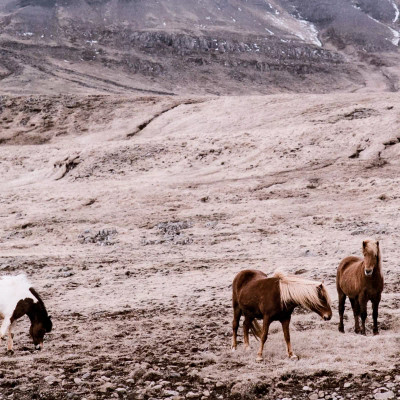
(245, 277)
(255, 293)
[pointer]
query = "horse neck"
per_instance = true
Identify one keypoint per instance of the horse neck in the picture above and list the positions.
(36, 312)
(295, 299)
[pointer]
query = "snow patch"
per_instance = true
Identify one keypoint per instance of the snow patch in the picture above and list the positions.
(396, 10)
(396, 36)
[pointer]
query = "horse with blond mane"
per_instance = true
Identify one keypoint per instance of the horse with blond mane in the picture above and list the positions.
(273, 299)
(361, 280)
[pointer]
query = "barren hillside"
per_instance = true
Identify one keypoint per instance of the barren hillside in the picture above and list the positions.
(132, 215)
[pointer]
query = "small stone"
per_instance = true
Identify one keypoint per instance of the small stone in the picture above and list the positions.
(307, 388)
(313, 396)
(206, 393)
(347, 385)
(106, 387)
(321, 394)
(85, 376)
(219, 384)
(51, 379)
(180, 388)
(192, 395)
(171, 393)
(78, 381)
(384, 395)
(120, 390)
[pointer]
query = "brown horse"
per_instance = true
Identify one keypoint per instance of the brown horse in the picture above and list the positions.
(273, 299)
(361, 280)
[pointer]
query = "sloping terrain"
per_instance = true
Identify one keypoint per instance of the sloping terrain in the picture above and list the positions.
(132, 215)
(198, 47)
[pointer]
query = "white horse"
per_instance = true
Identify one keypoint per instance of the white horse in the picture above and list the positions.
(17, 298)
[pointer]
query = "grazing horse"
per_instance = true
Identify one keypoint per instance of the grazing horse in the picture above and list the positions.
(17, 298)
(361, 280)
(273, 299)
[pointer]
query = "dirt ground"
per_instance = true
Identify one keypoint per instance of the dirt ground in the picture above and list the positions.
(131, 217)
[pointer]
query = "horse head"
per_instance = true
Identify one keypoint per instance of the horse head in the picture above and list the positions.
(323, 307)
(40, 321)
(371, 253)
(41, 325)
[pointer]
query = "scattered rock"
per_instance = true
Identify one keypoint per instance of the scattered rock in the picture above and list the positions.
(51, 379)
(106, 387)
(104, 237)
(384, 395)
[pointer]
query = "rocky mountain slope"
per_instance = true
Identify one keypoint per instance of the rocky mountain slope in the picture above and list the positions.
(193, 46)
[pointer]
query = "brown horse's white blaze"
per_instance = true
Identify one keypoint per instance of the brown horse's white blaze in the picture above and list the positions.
(361, 280)
(273, 299)
(17, 298)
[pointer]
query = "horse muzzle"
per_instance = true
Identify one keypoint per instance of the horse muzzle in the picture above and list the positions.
(327, 316)
(368, 272)
(39, 346)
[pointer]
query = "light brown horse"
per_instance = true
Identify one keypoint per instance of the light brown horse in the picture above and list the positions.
(361, 280)
(273, 299)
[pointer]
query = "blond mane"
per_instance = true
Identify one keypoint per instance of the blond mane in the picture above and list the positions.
(303, 292)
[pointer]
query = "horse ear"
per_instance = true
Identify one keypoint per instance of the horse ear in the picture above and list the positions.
(364, 244)
(321, 286)
(377, 243)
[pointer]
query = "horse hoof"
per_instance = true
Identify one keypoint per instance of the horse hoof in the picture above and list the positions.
(376, 333)
(10, 352)
(341, 329)
(294, 357)
(259, 359)
(233, 349)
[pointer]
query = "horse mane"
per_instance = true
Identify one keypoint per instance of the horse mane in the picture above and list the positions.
(304, 292)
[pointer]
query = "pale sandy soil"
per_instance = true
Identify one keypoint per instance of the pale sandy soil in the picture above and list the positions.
(294, 182)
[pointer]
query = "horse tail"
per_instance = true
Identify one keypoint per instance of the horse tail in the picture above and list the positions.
(255, 329)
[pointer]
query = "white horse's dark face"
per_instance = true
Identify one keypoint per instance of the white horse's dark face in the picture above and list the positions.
(38, 330)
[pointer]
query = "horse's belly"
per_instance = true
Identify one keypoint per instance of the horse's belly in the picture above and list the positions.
(252, 312)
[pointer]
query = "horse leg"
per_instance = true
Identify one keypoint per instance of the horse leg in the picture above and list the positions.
(10, 339)
(375, 305)
(342, 301)
(356, 311)
(4, 326)
(246, 328)
(363, 313)
(237, 312)
(286, 334)
(263, 337)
